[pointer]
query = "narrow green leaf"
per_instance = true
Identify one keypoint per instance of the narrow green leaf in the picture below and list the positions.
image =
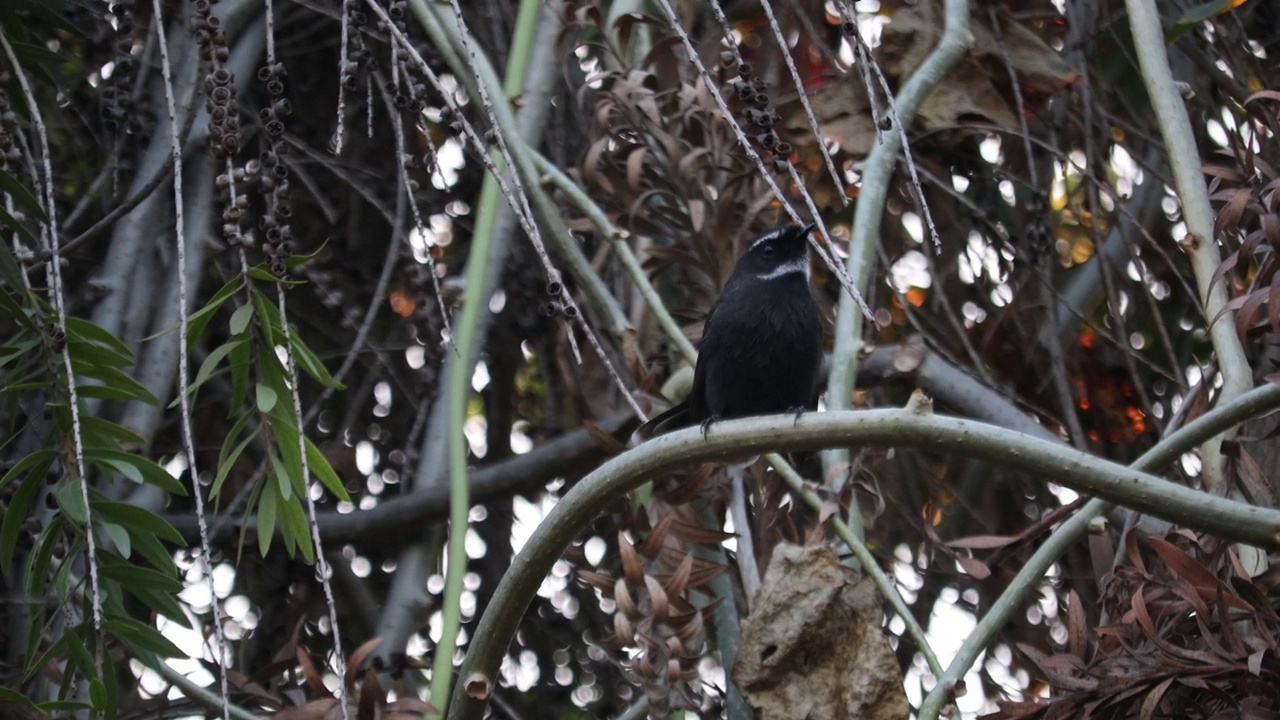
(43, 457)
(132, 577)
(86, 330)
(228, 456)
(136, 468)
(115, 377)
(22, 197)
(9, 270)
(54, 706)
(19, 507)
(283, 482)
(163, 604)
(101, 433)
(266, 398)
(142, 636)
(137, 519)
(319, 465)
(149, 547)
(209, 365)
(269, 317)
(36, 576)
(240, 319)
(197, 321)
(98, 694)
(78, 653)
(119, 537)
(89, 352)
(13, 696)
(267, 517)
(294, 522)
(71, 501)
(240, 363)
(311, 364)
(1194, 16)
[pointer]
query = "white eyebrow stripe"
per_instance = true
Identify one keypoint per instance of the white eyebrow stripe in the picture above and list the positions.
(770, 235)
(800, 264)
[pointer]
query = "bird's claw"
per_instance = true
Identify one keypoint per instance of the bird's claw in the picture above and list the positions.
(798, 411)
(706, 425)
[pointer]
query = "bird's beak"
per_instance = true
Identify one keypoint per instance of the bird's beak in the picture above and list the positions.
(808, 230)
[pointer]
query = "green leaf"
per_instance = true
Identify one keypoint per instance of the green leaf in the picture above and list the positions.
(137, 468)
(122, 381)
(138, 635)
(281, 474)
(7, 303)
(13, 696)
(99, 433)
(35, 578)
(98, 694)
(209, 365)
(137, 519)
(71, 500)
(294, 524)
(228, 456)
(266, 398)
(267, 517)
(311, 364)
(54, 706)
(319, 465)
(36, 466)
(269, 318)
(239, 377)
(149, 547)
(104, 392)
(94, 354)
(119, 537)
(164, 604)
(43, 456)
(240, 319)
(290, 455)
(22, 197)
(89, 332)
(133, 577)
(1194, 16)
(197, 321)
(77, 652)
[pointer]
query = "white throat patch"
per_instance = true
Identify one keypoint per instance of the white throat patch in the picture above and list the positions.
(798, 265)
(771, 235)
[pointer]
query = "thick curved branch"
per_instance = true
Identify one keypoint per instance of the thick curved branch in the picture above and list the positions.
(1048, 462)
(1225, 417)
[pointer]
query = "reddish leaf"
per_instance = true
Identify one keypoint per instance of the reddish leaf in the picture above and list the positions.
(976, 568)
(983, 542)
(1152, 701)
(1077, 626)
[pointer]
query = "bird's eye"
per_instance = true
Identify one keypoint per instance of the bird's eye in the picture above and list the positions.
(769, 251)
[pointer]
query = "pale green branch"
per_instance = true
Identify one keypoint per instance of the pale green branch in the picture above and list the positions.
(1166, 451)
(1049, 462)
(1200, 244)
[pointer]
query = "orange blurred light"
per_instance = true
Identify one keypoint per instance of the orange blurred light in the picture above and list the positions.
(402, 304)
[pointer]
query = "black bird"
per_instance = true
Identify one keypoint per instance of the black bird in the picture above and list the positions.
(761, 349)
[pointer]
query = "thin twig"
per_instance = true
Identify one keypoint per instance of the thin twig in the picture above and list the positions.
(804, 98)
(836, 268)
(53, 268)
(184, 373)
